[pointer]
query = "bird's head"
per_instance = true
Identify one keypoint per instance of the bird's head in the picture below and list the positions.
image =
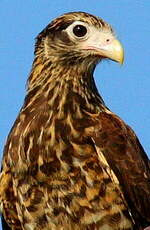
(78, 37)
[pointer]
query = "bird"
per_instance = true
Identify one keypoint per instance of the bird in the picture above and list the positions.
(69, 162)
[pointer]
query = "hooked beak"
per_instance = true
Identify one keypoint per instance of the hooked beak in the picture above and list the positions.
(113, 51)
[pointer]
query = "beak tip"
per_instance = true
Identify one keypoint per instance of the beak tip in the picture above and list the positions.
(121, 62)
(118, 52)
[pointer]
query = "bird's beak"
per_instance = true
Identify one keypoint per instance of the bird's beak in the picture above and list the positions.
(113, 51)
(108, 48)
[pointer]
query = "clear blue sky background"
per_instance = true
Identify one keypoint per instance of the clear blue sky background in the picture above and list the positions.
(125, 89)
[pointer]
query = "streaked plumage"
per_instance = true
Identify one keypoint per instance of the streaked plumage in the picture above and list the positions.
(69, 162)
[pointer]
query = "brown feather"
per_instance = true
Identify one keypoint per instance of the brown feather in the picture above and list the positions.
(69, 163)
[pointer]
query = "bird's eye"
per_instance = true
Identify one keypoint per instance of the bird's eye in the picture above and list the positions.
(79, 31)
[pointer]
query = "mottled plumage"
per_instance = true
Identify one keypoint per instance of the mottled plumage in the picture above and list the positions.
(69, 162)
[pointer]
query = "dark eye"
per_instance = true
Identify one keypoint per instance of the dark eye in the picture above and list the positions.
(80, 30)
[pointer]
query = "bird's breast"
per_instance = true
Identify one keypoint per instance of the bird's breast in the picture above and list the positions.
(58, 177)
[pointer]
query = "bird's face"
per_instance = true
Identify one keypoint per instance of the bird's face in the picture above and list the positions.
(77, 37)
(93, 41)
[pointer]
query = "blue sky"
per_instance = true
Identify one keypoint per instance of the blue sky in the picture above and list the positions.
(125, 89)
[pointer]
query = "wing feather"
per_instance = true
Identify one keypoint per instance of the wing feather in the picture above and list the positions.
(128, 161)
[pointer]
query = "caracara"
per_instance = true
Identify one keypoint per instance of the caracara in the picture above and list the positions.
(70, 163)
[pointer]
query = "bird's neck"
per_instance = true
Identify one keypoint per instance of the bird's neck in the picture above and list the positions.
(65, 88)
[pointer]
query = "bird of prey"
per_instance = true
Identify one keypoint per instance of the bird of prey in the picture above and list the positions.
(70, 163)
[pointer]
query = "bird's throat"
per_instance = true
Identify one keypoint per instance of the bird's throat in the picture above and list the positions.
(64, 89)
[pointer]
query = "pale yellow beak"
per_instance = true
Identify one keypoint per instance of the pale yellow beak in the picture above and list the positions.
(114, 51)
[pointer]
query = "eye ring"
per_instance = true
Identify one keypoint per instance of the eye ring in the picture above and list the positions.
(79, 31)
